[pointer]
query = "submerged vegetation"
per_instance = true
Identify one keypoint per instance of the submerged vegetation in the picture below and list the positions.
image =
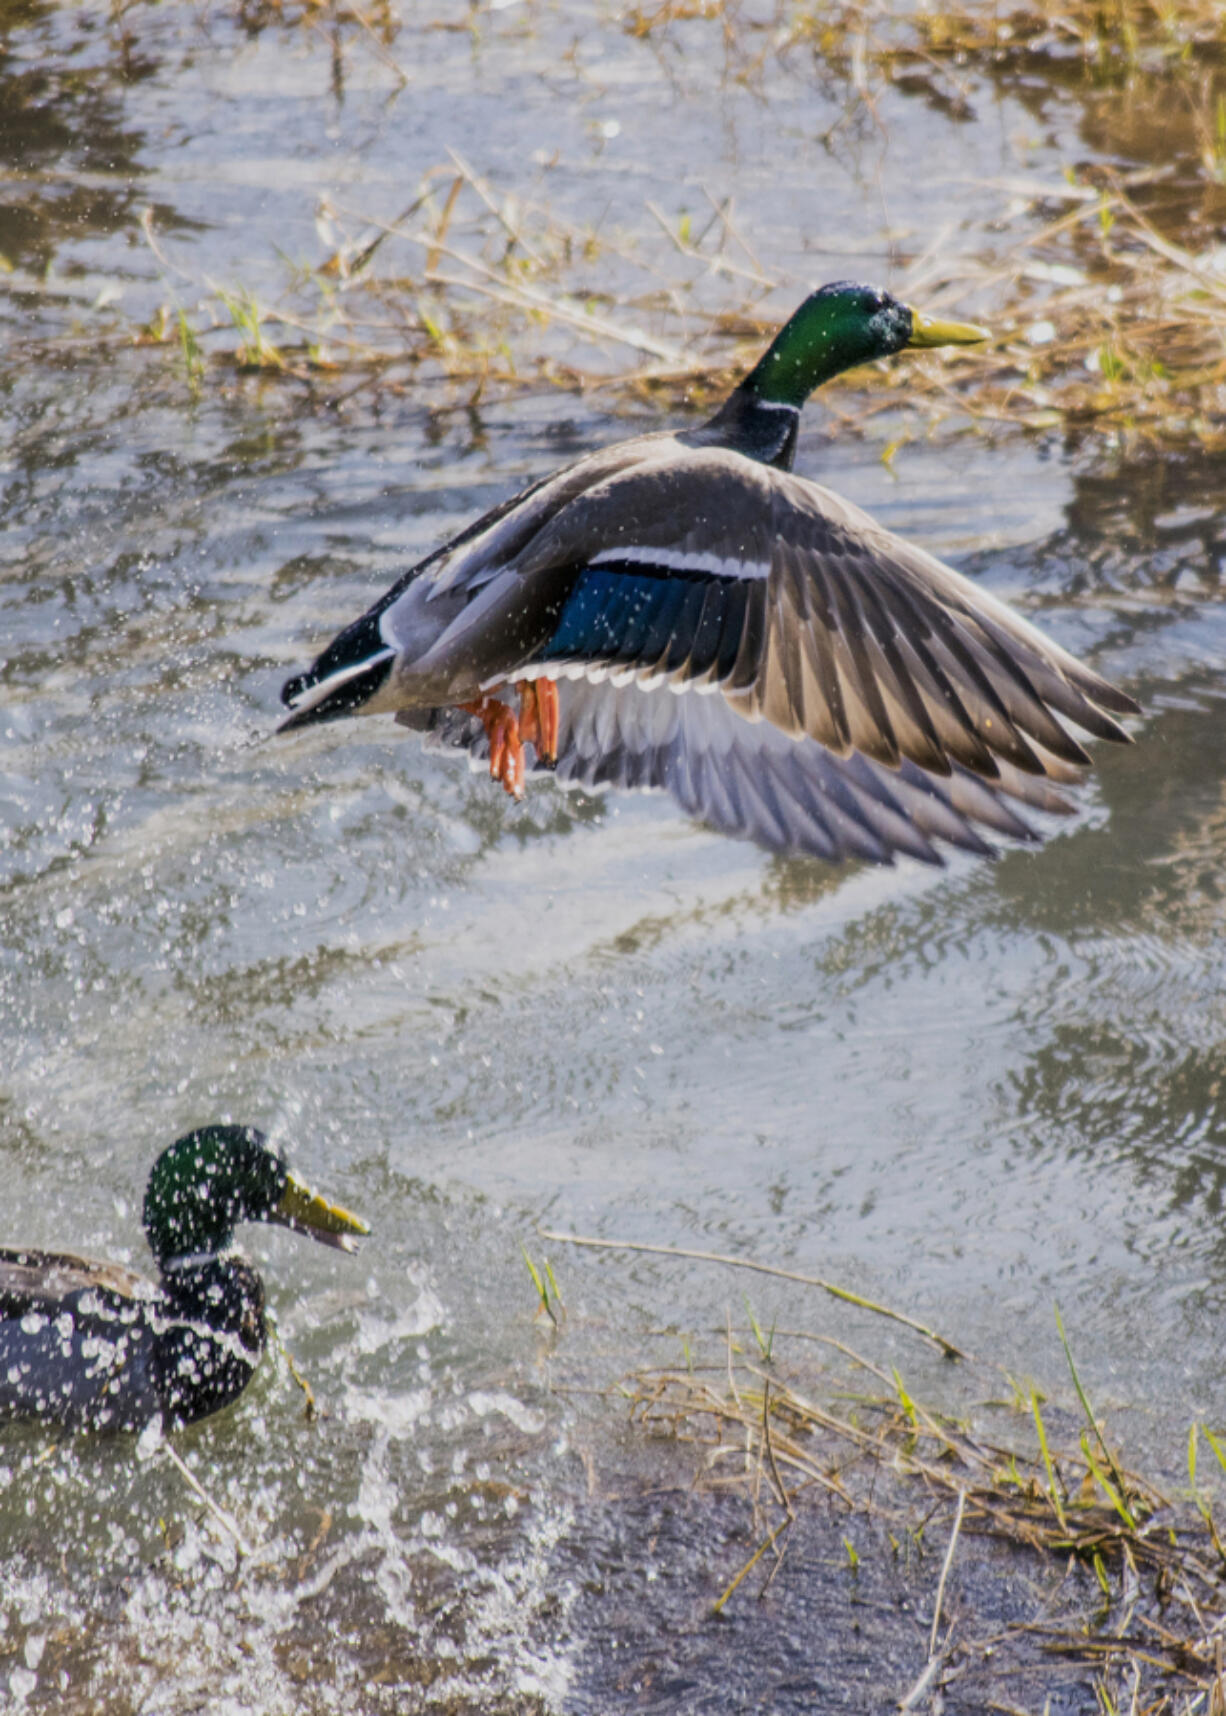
(1105, 288)
(1101, 323)
(1126, 1581)
(1123, 1578)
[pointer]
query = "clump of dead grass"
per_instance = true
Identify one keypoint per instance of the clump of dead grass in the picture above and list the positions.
(1102, 324)
(789, 1433)
(1109, 312)
(1111, 38)
(1119, 36)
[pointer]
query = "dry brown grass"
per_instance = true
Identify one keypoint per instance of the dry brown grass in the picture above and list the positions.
(1108, 302)
(1113, 38)
(1102, 323)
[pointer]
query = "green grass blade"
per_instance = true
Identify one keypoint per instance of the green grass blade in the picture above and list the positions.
(905, 1400)
(1048, 1467)
(1216, 1446)
(1114, 1496)
(537, 1282)
(1108, 1456)
(1192, 1440)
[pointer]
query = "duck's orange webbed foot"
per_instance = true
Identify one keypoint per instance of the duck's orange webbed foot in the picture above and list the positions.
(506, 744)
(538, 716)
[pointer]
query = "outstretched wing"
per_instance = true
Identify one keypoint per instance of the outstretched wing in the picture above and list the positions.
(716, 574)
(749, 779)
(861, 698)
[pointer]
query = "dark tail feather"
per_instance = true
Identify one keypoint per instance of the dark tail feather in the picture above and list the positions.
(339, 694)
(357, 643)
(348, 673)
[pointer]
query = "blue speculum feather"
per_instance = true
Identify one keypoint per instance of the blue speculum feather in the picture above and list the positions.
(615, 610)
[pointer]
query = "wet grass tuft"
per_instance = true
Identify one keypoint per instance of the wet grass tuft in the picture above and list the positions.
(1143, 1609)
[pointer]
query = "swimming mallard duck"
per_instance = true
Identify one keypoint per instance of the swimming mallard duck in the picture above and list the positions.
(862, 698)
(96, 1346)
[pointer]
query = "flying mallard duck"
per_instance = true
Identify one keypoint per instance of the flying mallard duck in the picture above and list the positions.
(861, 698)
(96, 1346)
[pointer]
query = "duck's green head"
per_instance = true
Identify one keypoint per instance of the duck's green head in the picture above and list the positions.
(837, 327)
(212, 1179)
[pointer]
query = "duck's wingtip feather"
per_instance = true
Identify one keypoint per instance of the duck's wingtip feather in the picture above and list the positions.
(1120, 703)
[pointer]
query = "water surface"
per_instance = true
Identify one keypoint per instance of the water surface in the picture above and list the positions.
(969, 1093)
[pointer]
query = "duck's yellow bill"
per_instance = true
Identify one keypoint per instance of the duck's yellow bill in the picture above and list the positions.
(307, 1212)
(927, 331)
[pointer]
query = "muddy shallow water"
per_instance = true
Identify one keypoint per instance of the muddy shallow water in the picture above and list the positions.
(968, 1093)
